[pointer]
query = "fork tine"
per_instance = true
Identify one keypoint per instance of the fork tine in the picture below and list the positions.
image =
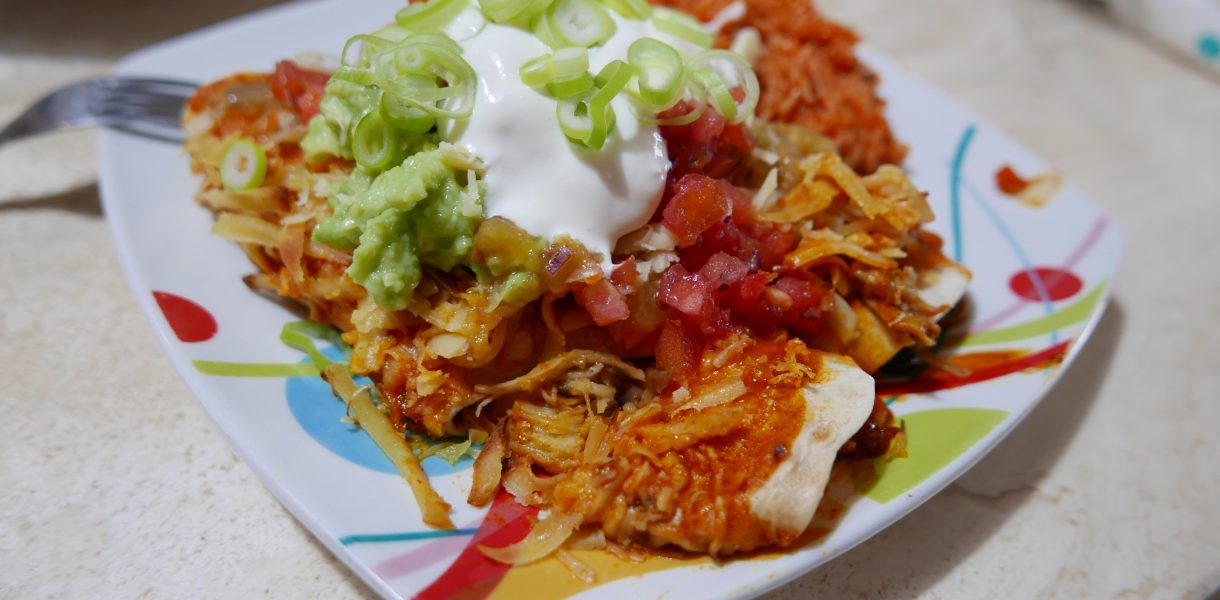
(170, 86)
(148, 106)
(168, 114)
(149, 101)
(135, 90)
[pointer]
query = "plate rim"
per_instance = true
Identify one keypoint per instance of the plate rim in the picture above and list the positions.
(107, 145)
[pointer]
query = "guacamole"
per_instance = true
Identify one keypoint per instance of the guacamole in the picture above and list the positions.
(421, 212)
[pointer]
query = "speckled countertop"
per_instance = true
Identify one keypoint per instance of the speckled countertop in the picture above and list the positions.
(114, 484)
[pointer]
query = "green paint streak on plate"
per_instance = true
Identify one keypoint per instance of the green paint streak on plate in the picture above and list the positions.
(1072, 314)
(934, 439)
(236, 369)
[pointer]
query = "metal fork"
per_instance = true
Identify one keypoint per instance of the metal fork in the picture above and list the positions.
(143, 106)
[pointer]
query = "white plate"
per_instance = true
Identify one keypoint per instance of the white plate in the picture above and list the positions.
(333, 479)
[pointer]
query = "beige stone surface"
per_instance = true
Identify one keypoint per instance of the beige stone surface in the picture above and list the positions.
(114, 484)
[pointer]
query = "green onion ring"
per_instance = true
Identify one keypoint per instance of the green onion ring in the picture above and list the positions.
(243, 166)
(717, 83)
(375, 145)
(661, 72)
(681, 26)
(629, 9)
(579, 22)
(407, 118)
(570, 86)
(432, 15)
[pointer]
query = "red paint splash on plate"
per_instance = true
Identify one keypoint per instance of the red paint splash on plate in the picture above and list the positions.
(472, 575)
(1060, 284)
(190, 322)
(935, 380)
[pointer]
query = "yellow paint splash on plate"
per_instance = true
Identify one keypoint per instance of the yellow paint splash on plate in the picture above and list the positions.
(934, 439)
(549, 578)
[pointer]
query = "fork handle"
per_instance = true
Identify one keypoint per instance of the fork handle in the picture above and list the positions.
(156, 130)
(16, 130)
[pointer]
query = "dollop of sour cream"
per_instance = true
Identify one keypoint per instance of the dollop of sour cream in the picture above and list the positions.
(535, 176)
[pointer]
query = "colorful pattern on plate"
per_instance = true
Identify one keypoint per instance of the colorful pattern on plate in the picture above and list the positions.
(1041, 279)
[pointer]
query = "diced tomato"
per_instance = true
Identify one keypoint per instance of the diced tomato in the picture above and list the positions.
(678, 348)
(748, 292)
(747, 302)
(684, 291)
(701, 131)
(740, 201)
(708, 146)
(773, 243)
(698, 203)
(604, 302)
(625, 275)
(722, 237)
(735, 146)
(721, 270)
(697, 295)
(730, 271)
(299, 89)
(761, 245)
(808, 302)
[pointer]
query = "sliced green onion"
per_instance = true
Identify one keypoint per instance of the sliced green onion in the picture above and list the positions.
(244, 165)
(540, 26)
(719, 72)
(407, 118)
(466, 24)
(629, 9)
(357, 76)
(716, 91)
(692, 96)
(432, 15)
(567, 62)
(570, 86)
(579, 23)
(613, 78)
(574, 119)
(589, 122)
(510, 11)
(413, 71)
(537, 71)
(603, 118)
(375, 145)
(369, 45)
(393, 33)
(681, 26)
(696, 110)
(564, 63)
(661, 72)
(434, 39)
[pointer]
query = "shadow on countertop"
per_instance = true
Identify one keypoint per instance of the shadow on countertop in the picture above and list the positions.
(107, 30)
(357, 585)
(84, 200)
(929, 543)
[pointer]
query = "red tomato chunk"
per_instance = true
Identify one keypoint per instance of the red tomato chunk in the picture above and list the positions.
(603, 302)
(299, 89)
(698, 203)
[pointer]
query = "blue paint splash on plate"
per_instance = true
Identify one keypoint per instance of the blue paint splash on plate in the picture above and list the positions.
(318, 412)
